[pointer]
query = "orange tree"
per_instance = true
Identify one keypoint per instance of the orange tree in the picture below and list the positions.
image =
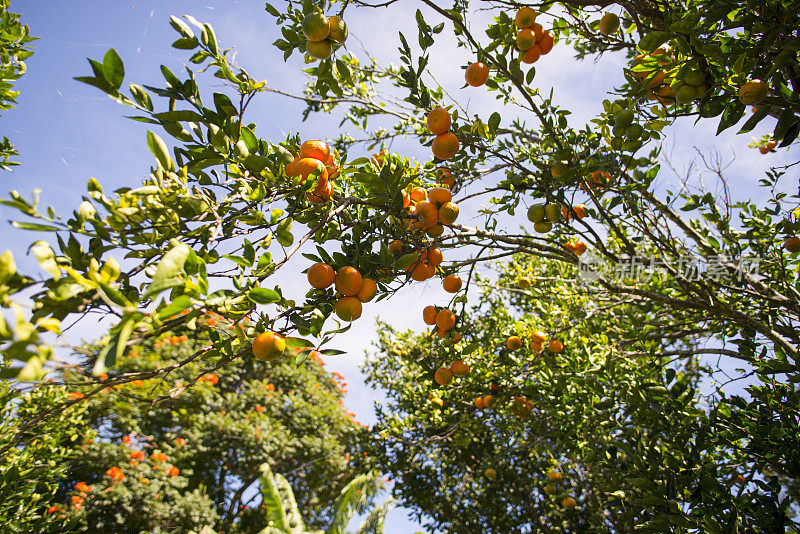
(223, 210)
(13, 53)
(194, 457)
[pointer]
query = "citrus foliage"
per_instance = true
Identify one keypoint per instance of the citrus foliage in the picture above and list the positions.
(606, 420)
(14, 37)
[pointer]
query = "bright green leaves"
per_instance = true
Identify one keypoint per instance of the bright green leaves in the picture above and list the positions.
(108, 75)
(168, 269)
(159, 149)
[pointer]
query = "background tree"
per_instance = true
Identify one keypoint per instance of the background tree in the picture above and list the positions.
(13, 54)
(185, 449)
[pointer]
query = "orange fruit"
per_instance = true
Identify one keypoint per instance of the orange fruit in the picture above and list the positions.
(491, 474)
(316, 27)
(429, 315)
(418, 194)
(445, 177)
(268, 346)
(513, 342)
(525, 18)
(476, 75)
(435, 231)
(321, 275)
(348, 308)
(423, 271)
(478, 402)
(428, 213)
(321, 193)
(320, 50)
(395, 247)
(448, 213)
(440, 195)
(555, 346)
(291, 168)
(459, 368)
(308, 166)
(536, 346)
(569, 502)
(456, 336)
(525, 39)
(792, 244)
(753, 92)
(435, 256)
(554, 476)
(531, 55)
(445, 146)
(609, 23)
(488, 401)
(443, 376)
(441, 333)
(452, 283)
(369, 288)
(338, 30)
(406, 199)
(378, 159)
(348, 281)
(547, 42)
(445, 319)
(316, 149)
(333, 169)
(439, 121)
(539, 337)
(538, 31)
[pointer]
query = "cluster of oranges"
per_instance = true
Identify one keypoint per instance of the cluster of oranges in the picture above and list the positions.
(532, 40)
(424, 266)
(429, 210)
(537, 343)
(323, 34)
(484, 402)
(575, 246)
(444, 375)
(446, 143)
(555, 477)
(443, 319)
(596, 181)
(353, 288)
(315, 159)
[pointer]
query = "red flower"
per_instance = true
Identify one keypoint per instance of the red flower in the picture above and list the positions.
(53, 509)
(211, 377)
(259, 408)
(158, 456)
(103, 377)
(81, 486)
(180, 441)
(270, 387)
(126, 440)
(173, 471)
(77, 501)
(137, 455)
(115, 473)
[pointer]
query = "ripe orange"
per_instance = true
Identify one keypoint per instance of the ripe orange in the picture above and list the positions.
(348, 281)
(395, 247)
(439, 121)
(445, 177)
(435, 231)
(525, 39)
(459, 368)
(445, 146)
(429, 315)
(443, 376)
(513, 342)
(525, 18)
(268, 346)
(753, 92)
(448, 213)
(333, 169)
(478, 402)
(418, 194)
(536, 346)
(547, 42)
(538, 31)
(423, 271)
(555, 346)
(441, 333)
(452, 283)
(428, 213)
(321, 193)
(316, 27)
(491, 474)
(406, 199)
(291, 168)
(445, 319)
(348, 308)
(378, 159)
(488, 401)
(440, 195)
(531, 55)
(369, 288)
(569, 502)
(321, 275)
(319, 150)
(307, 166)
(555, 476)
(435, 256)
(539, 337)
(456, 336)
(476, 75)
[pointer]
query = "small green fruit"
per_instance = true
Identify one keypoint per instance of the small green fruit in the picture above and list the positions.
(624, 118)
(543, 227)
(536, 213)
(553, 212)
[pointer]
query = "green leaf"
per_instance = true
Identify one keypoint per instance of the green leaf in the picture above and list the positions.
(180, 303)
(298, 342)
(113, 68)
(35, 226)
(159, 149)
(751, 123)
(262, 295)
(271, 499)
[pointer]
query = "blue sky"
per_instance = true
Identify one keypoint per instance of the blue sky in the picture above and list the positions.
(68, 132)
